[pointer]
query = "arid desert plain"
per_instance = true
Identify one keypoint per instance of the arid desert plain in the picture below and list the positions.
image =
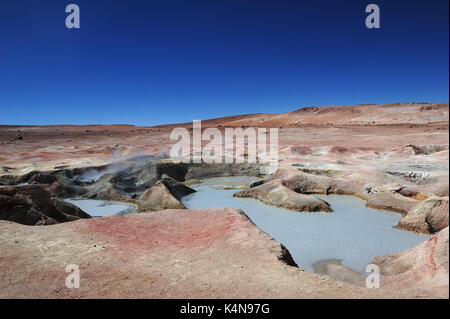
(393, 158)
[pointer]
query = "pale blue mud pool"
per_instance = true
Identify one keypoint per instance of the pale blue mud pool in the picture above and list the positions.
(102, 208)
(353, 233)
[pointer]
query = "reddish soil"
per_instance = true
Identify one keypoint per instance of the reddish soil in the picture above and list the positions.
(393, 156)
(167, 254)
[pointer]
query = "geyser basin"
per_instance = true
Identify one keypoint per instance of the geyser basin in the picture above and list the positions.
(353, 233)
(102, 208)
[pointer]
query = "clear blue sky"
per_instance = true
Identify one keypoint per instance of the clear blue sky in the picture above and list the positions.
(154, 62)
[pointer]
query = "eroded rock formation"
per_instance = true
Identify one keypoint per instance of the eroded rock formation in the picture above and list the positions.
(423, 269)
(165, 194)
(275, 194)
(33, 205)
(430, 217)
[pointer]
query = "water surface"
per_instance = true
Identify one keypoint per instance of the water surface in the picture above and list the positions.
(353, 233)
(102, 208)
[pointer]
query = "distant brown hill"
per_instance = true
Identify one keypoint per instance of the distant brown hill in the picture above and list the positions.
(366, 114)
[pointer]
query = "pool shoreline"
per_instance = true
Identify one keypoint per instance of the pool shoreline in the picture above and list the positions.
(358, 247)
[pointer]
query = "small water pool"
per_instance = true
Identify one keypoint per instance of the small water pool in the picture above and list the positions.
(353, 233)
(102, 208)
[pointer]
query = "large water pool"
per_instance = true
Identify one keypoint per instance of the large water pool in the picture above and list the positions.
(353, 233)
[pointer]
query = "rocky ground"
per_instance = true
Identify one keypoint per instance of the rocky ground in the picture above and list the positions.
(393, 156)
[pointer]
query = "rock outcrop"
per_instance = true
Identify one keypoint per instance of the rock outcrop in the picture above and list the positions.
(423, 269)
(33, 205)
(424, 149)
(310, 184)
(133, 180)
(165, 194)
(387, 200)
(430, 217)
(159, 197)
(176, 188)
(275, 194)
